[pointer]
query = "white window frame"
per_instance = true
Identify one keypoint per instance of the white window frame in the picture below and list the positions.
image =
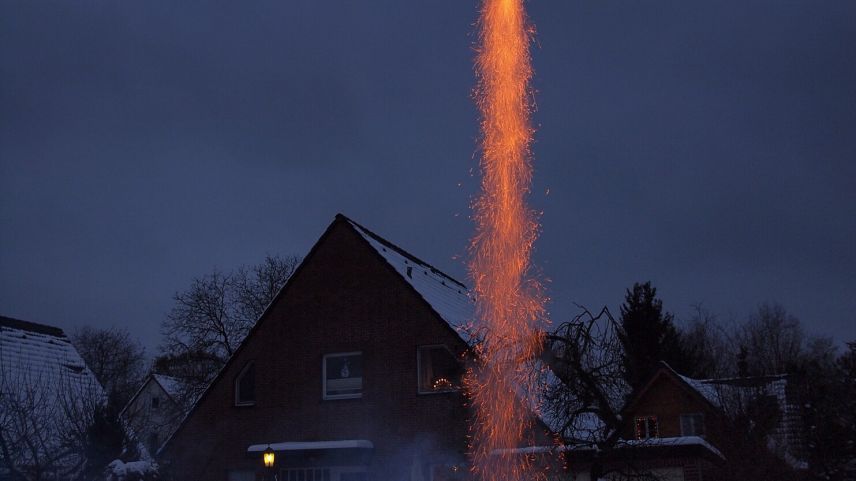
(419, 370)
(703, 427)
(237, 386)
(324, 394)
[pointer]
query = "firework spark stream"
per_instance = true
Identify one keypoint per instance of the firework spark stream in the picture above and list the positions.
(508, 301)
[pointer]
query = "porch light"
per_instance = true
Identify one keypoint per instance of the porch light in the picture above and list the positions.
(268, 457)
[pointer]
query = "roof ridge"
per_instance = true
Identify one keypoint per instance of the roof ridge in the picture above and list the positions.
(399, 250)
(31, 326)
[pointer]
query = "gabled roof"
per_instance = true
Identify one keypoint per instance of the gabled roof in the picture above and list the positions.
(43, 356)
(445, 296)
(691, 386)
(172, 386)
(41, 369)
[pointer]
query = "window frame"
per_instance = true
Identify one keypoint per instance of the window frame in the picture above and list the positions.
(329, 397)
(237, 386)
(419, 370)
(691, 415)
(646, 418)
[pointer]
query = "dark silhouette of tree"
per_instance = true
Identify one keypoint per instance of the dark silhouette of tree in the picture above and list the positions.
(117, 360)
(774, 340)
(105, 439)
(829, 413)
(648, 335)
(212, 317)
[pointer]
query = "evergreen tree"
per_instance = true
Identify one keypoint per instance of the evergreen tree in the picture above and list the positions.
(648, 336)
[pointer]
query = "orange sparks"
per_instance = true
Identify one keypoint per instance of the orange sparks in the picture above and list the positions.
(507, 301)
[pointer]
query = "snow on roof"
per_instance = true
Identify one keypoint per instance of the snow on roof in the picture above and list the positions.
(449, 298)
(40, 355)
(172, 385)
(41, 371)
(633, 443)
(676, 441)
(312, 445)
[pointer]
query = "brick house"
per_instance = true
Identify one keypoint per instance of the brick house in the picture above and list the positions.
(685, 429)
(351, 374)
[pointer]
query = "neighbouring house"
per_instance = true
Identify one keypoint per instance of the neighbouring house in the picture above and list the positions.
(351, 374)
(47, 401)
(680, 428)
(155, 410)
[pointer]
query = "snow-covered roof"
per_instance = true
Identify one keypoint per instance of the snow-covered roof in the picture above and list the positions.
(44, 376)
(632, 443)
(41, 356)
(449, 298)
(312, 445)
(172, 385)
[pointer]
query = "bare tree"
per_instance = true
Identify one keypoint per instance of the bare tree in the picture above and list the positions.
(707, 345)
(117, 360)
(212, 317)
(44, 423)
(773, 338)
(586, 355)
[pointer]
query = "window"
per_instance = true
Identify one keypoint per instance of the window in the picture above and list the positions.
(343, 375)
(692, 424)
(245, 386)
(646, 427)
(439, 371)
(155, 402)
(305, 474)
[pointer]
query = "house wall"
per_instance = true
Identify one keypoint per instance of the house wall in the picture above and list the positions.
(667, 399)
(147, 421)
(344, 298)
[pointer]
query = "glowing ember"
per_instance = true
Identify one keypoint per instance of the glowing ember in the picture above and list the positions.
(506, 300)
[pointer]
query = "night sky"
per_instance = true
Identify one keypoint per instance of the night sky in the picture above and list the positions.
(706, 146)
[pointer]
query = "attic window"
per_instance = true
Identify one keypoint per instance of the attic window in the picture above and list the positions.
(342, 375)
(647, 427)
(245, 386)
(155, 402)
(438, 369)
(692, 424)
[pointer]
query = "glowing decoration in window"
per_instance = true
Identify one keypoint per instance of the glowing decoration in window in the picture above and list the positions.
(439, 371)
(646, 427)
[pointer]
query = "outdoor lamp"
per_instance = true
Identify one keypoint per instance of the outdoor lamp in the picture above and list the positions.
(268, 457)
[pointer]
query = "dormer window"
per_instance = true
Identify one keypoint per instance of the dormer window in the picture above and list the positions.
(245, 386)
(439, 371)
(647, 427)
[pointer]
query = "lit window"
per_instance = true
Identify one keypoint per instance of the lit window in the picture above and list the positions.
(692, 425)
(343, 375)
(439, 371)
(245, 386)
(646, 427)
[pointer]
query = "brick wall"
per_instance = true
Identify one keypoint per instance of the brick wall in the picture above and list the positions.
(344, 298)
